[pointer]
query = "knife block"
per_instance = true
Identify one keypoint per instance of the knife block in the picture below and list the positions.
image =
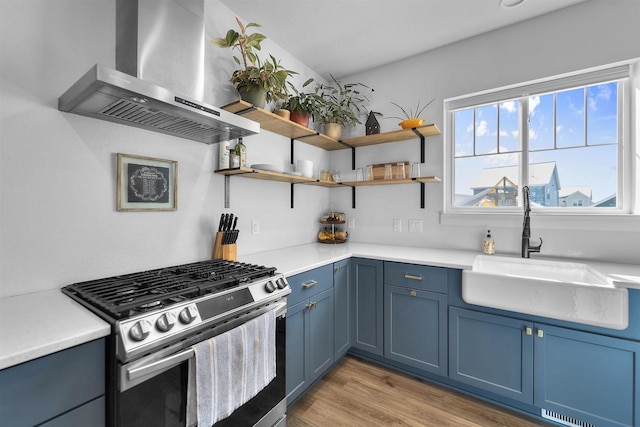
(226, 252)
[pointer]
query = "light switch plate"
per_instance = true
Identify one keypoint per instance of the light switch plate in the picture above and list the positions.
(415, 226)
(397, 225)
(255, 227)
(352, 223)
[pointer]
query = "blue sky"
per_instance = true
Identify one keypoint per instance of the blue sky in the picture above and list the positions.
(497, 138)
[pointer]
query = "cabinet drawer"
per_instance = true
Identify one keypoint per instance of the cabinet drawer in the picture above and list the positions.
(419, 277)
(309, 283)
(39, 390)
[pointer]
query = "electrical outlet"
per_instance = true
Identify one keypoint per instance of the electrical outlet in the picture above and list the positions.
(397, 225)
(352, 223)
(255, 227)
(415, 226)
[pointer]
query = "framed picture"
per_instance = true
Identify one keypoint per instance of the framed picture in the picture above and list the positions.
(146, 184)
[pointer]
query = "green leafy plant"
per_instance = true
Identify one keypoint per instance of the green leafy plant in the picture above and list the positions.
(300, 102)
(411, 114)
(342, 103)
(268, 75)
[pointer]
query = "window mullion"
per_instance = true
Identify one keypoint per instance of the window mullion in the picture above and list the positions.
(524, 144)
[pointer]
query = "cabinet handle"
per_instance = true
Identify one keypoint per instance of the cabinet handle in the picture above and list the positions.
(310, 305)
(412, 277)
(528, 330)
(413, 293)
(540, 333)
(310, 284)
(337, 270)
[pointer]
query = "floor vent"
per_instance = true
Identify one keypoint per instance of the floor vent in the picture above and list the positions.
(565, 420)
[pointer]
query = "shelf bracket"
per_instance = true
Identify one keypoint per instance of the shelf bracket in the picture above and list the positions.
(292, 196)
(353, 158)
(227, 190)
(421, 136)
(292, 156)
(422, 188)
(353, 197)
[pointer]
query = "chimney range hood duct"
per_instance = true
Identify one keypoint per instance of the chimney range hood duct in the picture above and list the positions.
(158, 44)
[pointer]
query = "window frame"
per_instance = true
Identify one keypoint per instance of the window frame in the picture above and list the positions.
(620, 72)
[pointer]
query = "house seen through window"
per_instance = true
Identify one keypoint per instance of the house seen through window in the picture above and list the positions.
(564, 144)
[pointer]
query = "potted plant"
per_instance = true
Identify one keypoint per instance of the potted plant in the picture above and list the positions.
(412, 118)
(342, 105)
(303, 105)
(258, 82)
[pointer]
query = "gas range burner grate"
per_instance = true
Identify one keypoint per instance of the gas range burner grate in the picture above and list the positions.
(123, 296)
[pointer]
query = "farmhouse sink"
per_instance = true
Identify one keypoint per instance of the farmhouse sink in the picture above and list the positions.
(569, 291)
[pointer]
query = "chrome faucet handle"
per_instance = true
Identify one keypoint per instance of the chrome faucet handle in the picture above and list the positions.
(536, 248)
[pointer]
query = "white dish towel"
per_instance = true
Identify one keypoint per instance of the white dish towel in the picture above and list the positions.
(229, 369)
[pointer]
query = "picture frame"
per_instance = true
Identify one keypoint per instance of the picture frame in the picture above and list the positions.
(146, 183)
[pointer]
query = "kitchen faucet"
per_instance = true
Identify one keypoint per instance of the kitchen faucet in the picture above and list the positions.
(526, 227)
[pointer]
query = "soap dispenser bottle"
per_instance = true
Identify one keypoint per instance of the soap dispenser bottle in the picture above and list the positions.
(488, 244)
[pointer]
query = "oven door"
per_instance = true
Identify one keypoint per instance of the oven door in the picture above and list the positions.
(152, 391)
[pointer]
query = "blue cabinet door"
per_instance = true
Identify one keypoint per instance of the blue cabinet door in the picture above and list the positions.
(297, 363)
(342, 307)
(367, 296)
(320, 334)
(493, 353)
(587, 377)
(415, 328)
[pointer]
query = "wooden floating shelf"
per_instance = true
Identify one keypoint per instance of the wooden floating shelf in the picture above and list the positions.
(423, 179)
(246, 172)
(274, 123)
(265, 175)
(393, 136)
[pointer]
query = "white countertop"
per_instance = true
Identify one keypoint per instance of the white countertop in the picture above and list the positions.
(41, 323)
(50, 321)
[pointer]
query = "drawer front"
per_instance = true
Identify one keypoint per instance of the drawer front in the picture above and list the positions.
(419, 277)
(309, 283)
(44, 388)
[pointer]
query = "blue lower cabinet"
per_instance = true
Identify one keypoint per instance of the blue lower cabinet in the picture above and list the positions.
(492, 353)
(367, 291)
(58, 389)
(415, 328)
(588, 378)
(342, 307)
(310, 341)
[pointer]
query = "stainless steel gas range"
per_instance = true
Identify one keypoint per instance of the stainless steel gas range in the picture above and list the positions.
(156, 318)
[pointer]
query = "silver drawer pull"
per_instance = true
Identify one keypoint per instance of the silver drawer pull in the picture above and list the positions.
(310, 284)
(412, 277)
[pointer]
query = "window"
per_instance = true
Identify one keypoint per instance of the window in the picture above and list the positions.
(561, 138)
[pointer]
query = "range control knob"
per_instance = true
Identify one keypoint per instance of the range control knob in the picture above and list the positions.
(281, 283)
(187, 314)
(140, 330)
(166, 322)
(269, 286)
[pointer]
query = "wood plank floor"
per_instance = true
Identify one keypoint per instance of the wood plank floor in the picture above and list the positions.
(359, 393)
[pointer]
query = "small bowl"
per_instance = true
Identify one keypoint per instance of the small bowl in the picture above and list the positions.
(411, 123)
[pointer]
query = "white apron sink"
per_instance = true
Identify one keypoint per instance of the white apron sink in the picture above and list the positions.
(569, 291)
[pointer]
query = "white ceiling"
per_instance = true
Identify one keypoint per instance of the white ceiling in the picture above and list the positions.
(343, 37)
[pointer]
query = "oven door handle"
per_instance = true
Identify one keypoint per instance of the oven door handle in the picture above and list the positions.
(160, 365)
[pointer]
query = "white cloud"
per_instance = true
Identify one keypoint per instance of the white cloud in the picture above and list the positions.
(558, 128)
(603, 94)
(532, 134)
(483, 128)
(509, 106)
(470, 128)
(515, 133)
(534, 101)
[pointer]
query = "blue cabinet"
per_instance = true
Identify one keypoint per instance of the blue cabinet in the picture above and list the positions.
(342, 307)
(62, 388)
(415, 328)
(415, 316)
(310, 334)
(367, 298)
(585, 378)
(493, 353)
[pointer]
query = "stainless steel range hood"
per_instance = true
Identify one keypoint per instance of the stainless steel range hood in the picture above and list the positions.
(159, 44)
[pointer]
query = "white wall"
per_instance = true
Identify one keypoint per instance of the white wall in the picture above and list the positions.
(590, 34)
(58, 218)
